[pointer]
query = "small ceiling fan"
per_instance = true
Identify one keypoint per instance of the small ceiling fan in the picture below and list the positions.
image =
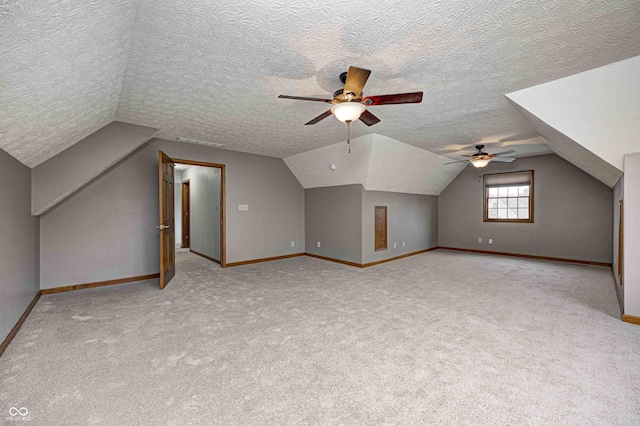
(481, 159)
(349, 103)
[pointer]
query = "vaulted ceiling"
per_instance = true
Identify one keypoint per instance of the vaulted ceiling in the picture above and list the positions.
(213, 70)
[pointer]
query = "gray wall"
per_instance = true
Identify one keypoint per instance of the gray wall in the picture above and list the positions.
(205, 209)
(573, 213)
(66, 172)
(107, 230)
(631, 275)
(333, 216)
(411, 218)
(18, 243)
(342, 219)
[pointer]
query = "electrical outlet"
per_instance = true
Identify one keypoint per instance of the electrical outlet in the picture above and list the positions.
(479, 240)
(490, 240)
(403, 244)
(318, 244)
(394, 245)
(293, 243)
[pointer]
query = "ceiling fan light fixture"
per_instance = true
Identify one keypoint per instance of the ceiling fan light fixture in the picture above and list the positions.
(480, 162)
(348, 111)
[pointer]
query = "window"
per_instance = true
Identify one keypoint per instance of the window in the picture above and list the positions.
(508, 197)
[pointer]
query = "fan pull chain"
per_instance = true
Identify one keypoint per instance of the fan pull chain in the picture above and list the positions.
(349, 135)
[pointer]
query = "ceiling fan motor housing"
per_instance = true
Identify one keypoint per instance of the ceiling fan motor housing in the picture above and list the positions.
(479, 153)
(339, 95)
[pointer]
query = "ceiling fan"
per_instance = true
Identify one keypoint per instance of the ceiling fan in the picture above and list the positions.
(481, 159)
(349, 103)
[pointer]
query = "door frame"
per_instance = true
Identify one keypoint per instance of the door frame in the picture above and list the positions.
(223, 203)
(186, 211)
(621, 242)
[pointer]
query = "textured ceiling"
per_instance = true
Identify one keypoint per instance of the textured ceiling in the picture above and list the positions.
(61, 70)
(212, 70)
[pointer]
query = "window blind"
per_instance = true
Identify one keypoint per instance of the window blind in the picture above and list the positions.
(508, 179)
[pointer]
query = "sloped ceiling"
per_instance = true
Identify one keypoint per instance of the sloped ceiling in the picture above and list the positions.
(212, 70)
(399, 167)
(597, 111)
(575, 153)
(378, 163)
(63, 174)
(313, 168)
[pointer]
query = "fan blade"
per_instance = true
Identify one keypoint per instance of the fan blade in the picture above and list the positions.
(302, 98)
(503, 153)
(368, 118)
(356, 79)
(319, 118)
(503, 159)
(454, 162)
(398, 98)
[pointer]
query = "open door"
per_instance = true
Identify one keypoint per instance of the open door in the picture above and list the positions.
(167, 222)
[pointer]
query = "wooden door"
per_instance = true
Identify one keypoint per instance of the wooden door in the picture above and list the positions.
(380, 219)
(186, 214)
(167, 221)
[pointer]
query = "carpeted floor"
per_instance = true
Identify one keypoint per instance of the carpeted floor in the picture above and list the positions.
(438, 338)
(185, 255)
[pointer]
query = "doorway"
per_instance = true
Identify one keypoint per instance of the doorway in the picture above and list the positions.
(186, 209)
(201, 224)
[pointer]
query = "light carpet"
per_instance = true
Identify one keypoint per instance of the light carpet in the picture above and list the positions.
(438, 338)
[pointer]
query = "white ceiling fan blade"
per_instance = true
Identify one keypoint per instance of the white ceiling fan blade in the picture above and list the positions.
(460, 161)
(503, 159)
